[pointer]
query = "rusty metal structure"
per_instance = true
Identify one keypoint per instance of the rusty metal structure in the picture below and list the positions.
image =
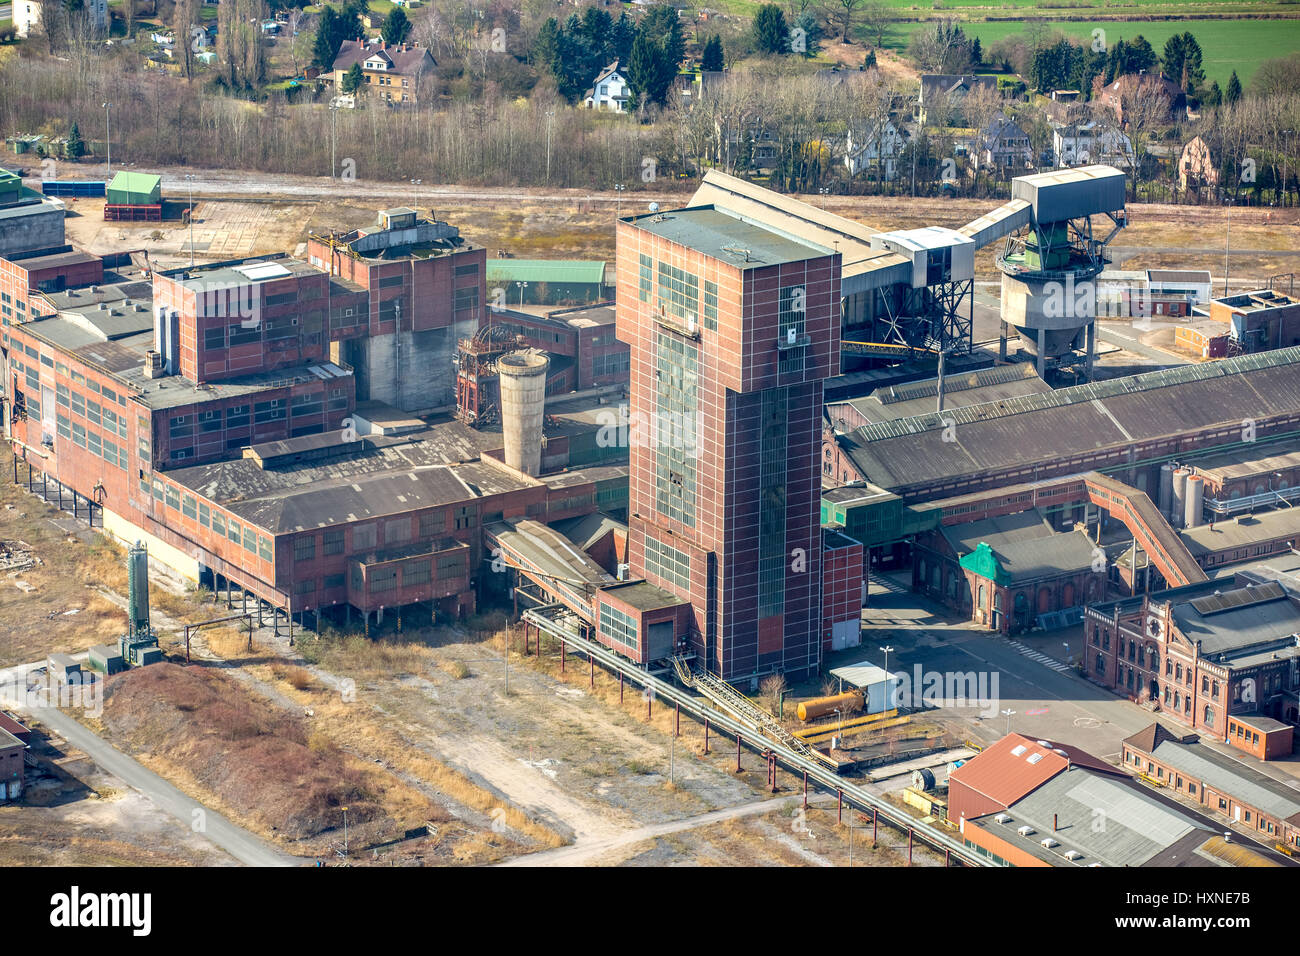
(478, 393)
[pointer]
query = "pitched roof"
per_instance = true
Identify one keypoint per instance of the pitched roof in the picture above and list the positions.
(405, 58)
(1010, 769)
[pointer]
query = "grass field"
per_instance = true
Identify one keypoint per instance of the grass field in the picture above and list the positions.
(1227, 45)
(981, 9)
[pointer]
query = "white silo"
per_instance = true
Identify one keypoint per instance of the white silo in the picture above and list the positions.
(1178, 512)
(1195, 500)
(522, 378)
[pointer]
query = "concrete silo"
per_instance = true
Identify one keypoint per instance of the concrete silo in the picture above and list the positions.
(522, 379)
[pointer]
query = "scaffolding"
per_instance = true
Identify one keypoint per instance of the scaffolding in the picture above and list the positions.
(477, 392)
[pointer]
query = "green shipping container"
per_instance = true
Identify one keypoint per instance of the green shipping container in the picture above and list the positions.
(135, 189)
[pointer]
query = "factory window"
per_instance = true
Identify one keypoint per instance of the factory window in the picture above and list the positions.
(237, 416)
(418, 572)
(284, 327)
(382, 579)
(470, 270)
(772, 557)
(647, 277)
(452, 566)
(272, 411)
(333, 542)
(34, 382)
(210, 421)
(283, 298)
(305, 587)
(94, 413)
(79, 434)
(466, 298)
(678, 292)
(264, 548)
(189, 507)
(618, 627)
(78, 404)
(180, 454)
(304, 547)
(615, 363)
(668, 563)
(307, 404)
(93, 443)
(710, 305)
(110, 419)
(332, 581)
(397, 530)
(157, 490)
(1209, 715)
(173, 497)
(110, 453)
(205, 514)
(677, 368)
(214, 339)
(466, 517)
(218, 524)
(235, 531)
(250, 540)
(432, 522)
(363, 536)
(180, 426)
(245, 334)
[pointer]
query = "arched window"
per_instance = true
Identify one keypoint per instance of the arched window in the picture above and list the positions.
(1209, 714)
(982, 604)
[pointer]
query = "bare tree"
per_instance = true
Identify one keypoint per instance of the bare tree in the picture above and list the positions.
(844, 11)
(877, 15)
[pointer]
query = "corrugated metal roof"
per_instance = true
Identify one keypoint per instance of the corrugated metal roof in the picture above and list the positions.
(1003, 772)
(546, 270)
(1230, 776)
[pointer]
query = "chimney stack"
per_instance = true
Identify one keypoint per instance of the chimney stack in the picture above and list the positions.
(1053, 822)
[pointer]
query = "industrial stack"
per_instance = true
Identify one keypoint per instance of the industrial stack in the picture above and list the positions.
(523, 402)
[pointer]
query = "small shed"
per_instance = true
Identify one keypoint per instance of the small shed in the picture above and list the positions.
(881, 688)
(135, 189)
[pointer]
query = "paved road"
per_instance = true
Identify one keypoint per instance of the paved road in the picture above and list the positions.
(236, 841)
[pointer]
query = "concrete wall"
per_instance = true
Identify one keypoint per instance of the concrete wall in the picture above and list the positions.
(412, 371)
(41, 228)
(160, 552)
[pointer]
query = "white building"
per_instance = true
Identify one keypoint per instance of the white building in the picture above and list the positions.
(27, 15)
(878, 153)
(610, 91)
(1084, 144)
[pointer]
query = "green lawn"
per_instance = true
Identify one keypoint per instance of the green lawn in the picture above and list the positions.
(981, 9)
(1227, 45)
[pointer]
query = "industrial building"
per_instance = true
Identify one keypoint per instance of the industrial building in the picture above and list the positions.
(1026, 802)
(1227, 786)
(28, 220)
(133, 197)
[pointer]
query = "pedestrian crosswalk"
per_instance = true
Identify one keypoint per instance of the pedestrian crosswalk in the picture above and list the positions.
(889, 584)
(1043, 659)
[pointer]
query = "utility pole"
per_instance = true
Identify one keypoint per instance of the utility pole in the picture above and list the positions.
(108, 136)
(189, 178)
(334, 115)
(1227, 247)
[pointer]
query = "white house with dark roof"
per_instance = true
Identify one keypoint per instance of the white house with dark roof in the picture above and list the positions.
(876, 152)
(609, 92)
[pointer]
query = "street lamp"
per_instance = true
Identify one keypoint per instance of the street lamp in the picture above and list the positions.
(189, 178)
(1227, 244)
(334, 115)
(823, 190)
(550, 115)
(522, 287)
(1008, 714)
(618, 207)
(889, 686)
(108, 135)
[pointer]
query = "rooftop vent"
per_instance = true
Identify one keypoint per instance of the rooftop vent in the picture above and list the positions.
(1034, 758)
(1003, 818)
(1074, 855)
(1048, 843)
(1017, 750)
(1025, 830)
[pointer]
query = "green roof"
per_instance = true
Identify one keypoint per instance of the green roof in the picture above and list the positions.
(135, 188)
(546, 270)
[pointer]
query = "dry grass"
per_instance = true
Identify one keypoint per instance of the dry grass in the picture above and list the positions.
(457, 669)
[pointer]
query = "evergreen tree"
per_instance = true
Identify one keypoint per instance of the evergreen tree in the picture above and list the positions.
(650, 70)
(546, 48)
(354, 78)
(75, 147)
(621, 37)
(1182, 62)
(662, 25)
(1233, 93)
(812, 33)
(712, 60)
(771, 34)
(869, 61)
(323, 50)
(976, 52)
(396, 27)
(1215, 96)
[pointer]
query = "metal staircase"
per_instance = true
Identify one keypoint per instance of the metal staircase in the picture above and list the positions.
(742, 708)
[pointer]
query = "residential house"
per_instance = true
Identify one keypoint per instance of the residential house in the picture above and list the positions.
(1082, 144)
(876, 153)
(27, 15)
(947, 91)
(609, 92)
(1120, 94)
(1197, 168)
(392, 71)
(1003, 149)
